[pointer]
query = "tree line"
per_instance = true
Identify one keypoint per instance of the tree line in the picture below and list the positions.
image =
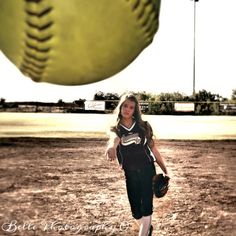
(205, 102)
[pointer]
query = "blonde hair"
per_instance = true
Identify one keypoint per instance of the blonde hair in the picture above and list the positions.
(137, 116)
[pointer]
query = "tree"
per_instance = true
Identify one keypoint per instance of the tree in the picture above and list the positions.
(176, 96)
(99, 96)
(233, 96)
(60, 102)
(2, 101)
(143, 96)
(111, 96)
(79, 102)
(204, 96)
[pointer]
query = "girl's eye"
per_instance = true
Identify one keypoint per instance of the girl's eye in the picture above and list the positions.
(125, 105)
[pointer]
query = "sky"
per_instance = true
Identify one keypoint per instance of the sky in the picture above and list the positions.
(164, 66)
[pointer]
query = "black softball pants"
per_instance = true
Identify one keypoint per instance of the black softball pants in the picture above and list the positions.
(139, 190)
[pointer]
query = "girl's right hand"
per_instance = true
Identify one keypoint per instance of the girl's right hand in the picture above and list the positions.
(111, 153)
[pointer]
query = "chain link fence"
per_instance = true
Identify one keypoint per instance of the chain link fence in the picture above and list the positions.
(181, 108)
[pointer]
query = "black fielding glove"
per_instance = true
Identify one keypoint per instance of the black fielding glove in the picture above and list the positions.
(160, 185)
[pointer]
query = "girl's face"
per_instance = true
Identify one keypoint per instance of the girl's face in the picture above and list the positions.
(127, 109)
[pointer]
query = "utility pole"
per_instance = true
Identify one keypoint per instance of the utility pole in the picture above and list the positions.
(194, 46)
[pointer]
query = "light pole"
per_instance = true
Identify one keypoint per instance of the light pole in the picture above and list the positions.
(194, 45)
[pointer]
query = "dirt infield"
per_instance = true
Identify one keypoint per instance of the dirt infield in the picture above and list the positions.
(55, 186)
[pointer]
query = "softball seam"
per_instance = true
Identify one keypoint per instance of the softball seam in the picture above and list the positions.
(147, 13)
(37, 36)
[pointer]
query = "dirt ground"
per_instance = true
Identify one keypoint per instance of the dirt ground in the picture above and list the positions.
(56, 186)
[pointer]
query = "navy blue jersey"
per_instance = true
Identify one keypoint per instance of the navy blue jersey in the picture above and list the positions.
(133, 151)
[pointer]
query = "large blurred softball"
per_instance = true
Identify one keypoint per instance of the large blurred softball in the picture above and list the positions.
(72, 42)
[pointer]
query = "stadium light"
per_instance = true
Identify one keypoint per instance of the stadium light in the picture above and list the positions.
(194, 45)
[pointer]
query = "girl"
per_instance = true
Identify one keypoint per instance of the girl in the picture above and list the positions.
(131, 141)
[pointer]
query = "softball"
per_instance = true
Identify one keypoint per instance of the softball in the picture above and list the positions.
(74, 42)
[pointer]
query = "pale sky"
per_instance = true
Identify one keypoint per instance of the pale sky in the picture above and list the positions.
(165, 66)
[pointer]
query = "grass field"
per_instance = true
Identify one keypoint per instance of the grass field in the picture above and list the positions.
(90, 125)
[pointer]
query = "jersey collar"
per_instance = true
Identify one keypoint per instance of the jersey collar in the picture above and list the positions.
(129, 129)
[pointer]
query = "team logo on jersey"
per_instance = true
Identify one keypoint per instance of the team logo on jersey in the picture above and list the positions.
(130, 139)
